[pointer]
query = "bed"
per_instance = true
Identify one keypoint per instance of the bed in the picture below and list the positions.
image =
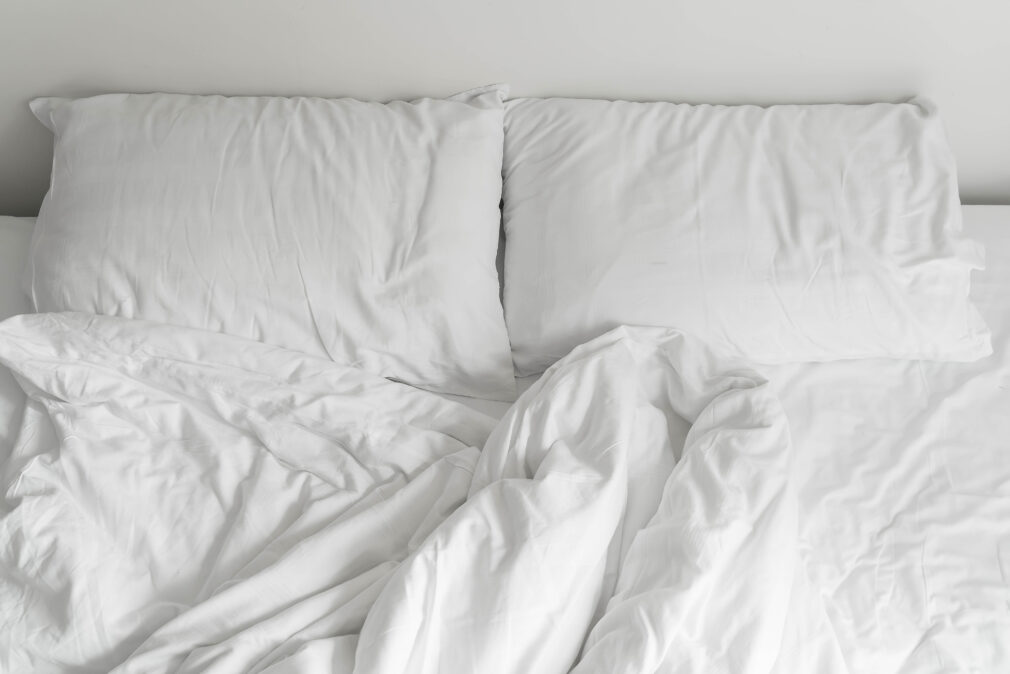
(181, 499)
(902, 481)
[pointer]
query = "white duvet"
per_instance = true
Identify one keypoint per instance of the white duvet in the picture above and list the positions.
(190, 502)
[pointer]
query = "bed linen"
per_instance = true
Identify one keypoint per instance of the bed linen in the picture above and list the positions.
(364, 232)
(781, 234)
(899, 490)
(902, 472)
(185, 501)
(903, 482)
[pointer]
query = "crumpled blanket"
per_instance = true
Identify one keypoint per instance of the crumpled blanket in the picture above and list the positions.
(185, 501)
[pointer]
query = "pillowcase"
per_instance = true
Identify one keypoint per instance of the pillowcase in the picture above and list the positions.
(363, 232)
(787, 233)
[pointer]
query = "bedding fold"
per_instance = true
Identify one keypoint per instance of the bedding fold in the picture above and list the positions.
(187, 501)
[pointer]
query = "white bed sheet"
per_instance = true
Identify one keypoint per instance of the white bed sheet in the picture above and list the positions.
(903, 473)
(904, 486)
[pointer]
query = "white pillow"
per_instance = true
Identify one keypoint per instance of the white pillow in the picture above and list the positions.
(788, 233)
(365, 232)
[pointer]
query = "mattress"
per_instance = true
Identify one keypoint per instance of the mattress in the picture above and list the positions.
(903, 474)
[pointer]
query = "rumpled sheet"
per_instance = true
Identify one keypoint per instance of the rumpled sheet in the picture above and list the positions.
(190, 502)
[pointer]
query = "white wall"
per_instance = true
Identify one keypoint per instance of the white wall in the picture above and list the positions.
(954, 51)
